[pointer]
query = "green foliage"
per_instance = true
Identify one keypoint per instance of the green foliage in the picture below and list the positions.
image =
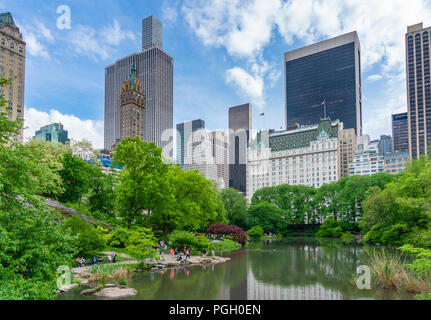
(330, 228)
(141, 242)
(236, 207)
(89, 239)
(347, 237)
(400, 213)
(100, 197)
(268, 216)
(118, 238)
(422, 264)
(32, 241)
(224, 245)
(181, 239)
(255, 233)
(75, 175)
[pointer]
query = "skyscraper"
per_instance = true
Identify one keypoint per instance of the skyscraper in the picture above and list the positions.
(400, 132)
(152, 33)
(325, 75)
(240, 124)
(220, 153)
(52, 132)
(194, 149)
(12, 65)
(132, 109)
(385, 144)
(418, 89)
(154, 69)
(184, 140)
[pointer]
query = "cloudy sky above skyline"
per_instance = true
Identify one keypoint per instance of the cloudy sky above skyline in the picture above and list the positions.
(226, 52)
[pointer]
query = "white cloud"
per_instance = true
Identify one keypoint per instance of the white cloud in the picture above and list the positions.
(251, 86)
(94, 44)
(78, 129)
(113, 34)
(36, 37)
(374, 77)
(169, 12)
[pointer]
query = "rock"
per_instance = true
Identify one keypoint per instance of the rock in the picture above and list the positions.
(85, 274)
(68, 287)
(85, 281)
(115, 293)
(110, 285)
(89, 292)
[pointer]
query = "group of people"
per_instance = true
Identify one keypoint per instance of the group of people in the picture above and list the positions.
(187, 254)
(111, 258)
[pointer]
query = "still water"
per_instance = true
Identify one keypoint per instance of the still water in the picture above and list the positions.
(291, 269)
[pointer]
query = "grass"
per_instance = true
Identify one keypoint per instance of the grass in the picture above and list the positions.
(104, 272)
(390, 271)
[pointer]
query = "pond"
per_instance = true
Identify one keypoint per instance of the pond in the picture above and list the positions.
(290, 269)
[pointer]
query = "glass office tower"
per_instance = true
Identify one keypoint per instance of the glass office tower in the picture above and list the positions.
(400, 132)
(154, 69)
(328, 74)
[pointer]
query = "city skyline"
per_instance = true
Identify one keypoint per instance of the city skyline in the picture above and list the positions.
(209, 68)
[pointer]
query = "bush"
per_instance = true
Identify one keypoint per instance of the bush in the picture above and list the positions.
(222, 229)
(224, 245)
(119, 238)
(186, 239)
(330, 228)
(347, 237)
(255, 233)
(395, 234)
(89, 239)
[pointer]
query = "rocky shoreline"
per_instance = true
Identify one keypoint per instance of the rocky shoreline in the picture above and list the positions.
(113, 291)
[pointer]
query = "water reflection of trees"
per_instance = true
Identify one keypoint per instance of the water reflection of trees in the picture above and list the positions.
(307, 262)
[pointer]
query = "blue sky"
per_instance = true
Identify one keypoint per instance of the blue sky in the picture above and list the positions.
(226, 52)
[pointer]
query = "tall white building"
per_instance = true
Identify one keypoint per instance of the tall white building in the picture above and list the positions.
(308, 155)
(220, 152)
(367, 159)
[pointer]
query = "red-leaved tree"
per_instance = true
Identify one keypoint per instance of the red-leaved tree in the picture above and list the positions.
(235, 232)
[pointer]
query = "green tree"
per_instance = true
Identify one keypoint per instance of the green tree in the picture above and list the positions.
(143, 187)
(32, 241)
(400, 211)
(101, 189)
(89, 239)
(50, 155)
(236, 207)
(255, 233)
(75, 175)
(266, 215)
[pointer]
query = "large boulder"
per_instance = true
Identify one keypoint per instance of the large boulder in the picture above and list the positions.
(88, 292)
(115, 293)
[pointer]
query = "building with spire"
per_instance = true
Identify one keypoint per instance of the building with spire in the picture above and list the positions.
(132, 108)
(154, 69)
(12, 65)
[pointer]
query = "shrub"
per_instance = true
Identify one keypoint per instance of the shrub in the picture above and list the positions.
(89, 239)
(255, 233)
(330, 228)
(119, 238)
(395, 234)
(222, 229)
(225, 245)
(186, 239)
(347, 237)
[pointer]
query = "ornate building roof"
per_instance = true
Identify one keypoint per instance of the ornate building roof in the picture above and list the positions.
(6, 18)
(132, 83)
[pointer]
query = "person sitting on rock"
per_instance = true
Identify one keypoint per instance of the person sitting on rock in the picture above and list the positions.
(94, 260)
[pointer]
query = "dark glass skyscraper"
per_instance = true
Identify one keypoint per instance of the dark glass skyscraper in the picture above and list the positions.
(154, 69)
(239, 134)
(418, 89)
(330, 72)
(400, 132)
(184, 133)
